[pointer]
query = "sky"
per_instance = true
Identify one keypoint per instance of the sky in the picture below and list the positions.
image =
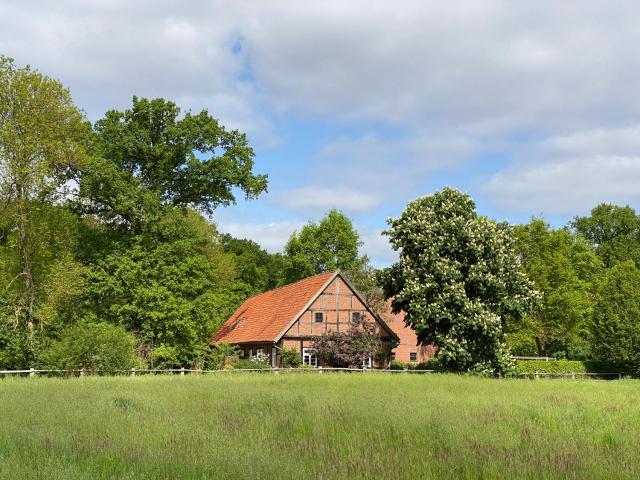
(531, 107)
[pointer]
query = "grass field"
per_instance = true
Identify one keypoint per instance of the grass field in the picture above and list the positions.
(251, 425)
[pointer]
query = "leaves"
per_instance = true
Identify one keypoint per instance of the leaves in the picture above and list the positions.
(458, 280)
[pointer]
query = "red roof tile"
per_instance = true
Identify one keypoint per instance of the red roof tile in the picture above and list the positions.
(263, 317)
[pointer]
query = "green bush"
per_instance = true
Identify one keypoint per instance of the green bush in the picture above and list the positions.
(291, 358)
(250, 365)
(93, 346)
(431, 364)
(566, 366)
(399, 365)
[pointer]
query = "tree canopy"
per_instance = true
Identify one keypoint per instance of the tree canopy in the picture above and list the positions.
(458, 280)
(564, 268)
(149, 156)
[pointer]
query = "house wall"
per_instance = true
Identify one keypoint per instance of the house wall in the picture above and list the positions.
(337, 304)
(408, 340)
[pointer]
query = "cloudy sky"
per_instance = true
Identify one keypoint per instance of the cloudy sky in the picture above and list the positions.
(532, 107)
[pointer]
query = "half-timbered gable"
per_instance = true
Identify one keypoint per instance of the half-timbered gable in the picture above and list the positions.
(293, 315)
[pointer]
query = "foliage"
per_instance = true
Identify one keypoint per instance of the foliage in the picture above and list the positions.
(220, 355)
(567, 367)
(352, 348)
(616, 321)
(329, 245)
(250, 364)
(613, 231)
(174, 293)
(291, 358)
(255, 267)
(564, 269)
(150, 156)
(399, 365)
(43, 139)
(458, 280)
(431, 364)
(93, 346)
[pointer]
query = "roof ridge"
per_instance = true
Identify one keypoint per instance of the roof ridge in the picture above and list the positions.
(290, 284)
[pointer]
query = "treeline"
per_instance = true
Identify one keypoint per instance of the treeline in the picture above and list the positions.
(107, 256)
(588, 277)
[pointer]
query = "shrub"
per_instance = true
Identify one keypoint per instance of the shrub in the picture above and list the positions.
(250, 365)
(93, 346)
(567, 366)
(431, 364)
(291, 358)
(399, 365)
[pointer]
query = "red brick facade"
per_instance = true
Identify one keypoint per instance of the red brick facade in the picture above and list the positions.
(407, 350)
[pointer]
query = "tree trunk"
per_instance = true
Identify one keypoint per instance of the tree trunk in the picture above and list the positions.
(25, 259)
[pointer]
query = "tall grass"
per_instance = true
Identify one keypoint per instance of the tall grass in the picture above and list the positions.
(342, 426)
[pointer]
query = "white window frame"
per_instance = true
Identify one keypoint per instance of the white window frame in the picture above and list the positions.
(308, 358)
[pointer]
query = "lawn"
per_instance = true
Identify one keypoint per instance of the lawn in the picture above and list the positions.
(343, 426)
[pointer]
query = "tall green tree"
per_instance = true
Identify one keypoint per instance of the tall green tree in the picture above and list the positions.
(613, 231)
(149, 157)
(564, 269)
(459, 280)
(320, 247)
(43, 139)
(616, 319)
(172, 289)
(255, 266)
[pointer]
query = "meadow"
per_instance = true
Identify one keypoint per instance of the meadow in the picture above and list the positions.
(330, 426)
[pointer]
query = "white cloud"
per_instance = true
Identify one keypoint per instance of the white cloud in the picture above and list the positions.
(271, 236)
(318, 199)
(377, 247)
(567, 186)
(569, 174)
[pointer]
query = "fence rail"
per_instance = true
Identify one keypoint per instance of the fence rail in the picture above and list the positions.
(32, 372)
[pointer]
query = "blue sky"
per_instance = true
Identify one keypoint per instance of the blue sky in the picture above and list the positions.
(531, 107)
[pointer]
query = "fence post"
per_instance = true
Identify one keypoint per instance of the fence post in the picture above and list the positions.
(573, 376)
(537, 376)
(619, 376)
(320, 369)
(133, 372)
(32, 373)
(182, 371)
(82, 372)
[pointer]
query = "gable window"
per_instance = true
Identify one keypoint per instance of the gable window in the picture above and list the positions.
(309, 358)
(413, 357)
(319, 317)
(356, 316)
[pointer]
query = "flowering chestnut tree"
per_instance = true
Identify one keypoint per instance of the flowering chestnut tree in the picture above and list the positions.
(352, 348)
(458, 280)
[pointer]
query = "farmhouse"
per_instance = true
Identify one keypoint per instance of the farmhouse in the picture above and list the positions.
(407, 350)
(291, 316)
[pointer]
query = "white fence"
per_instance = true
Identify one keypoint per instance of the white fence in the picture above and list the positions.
(183, 371)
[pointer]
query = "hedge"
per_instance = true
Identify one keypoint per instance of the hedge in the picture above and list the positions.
(526, 367)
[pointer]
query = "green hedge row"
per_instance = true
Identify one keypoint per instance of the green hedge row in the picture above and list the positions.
(566, 366)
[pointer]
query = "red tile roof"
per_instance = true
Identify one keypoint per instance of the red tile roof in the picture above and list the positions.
(263, 317)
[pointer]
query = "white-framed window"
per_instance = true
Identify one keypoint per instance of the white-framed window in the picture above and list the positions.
(260, 351)
(393, 356)
(309, 358)
(241, 353)
(367, 363)
(318, 317)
